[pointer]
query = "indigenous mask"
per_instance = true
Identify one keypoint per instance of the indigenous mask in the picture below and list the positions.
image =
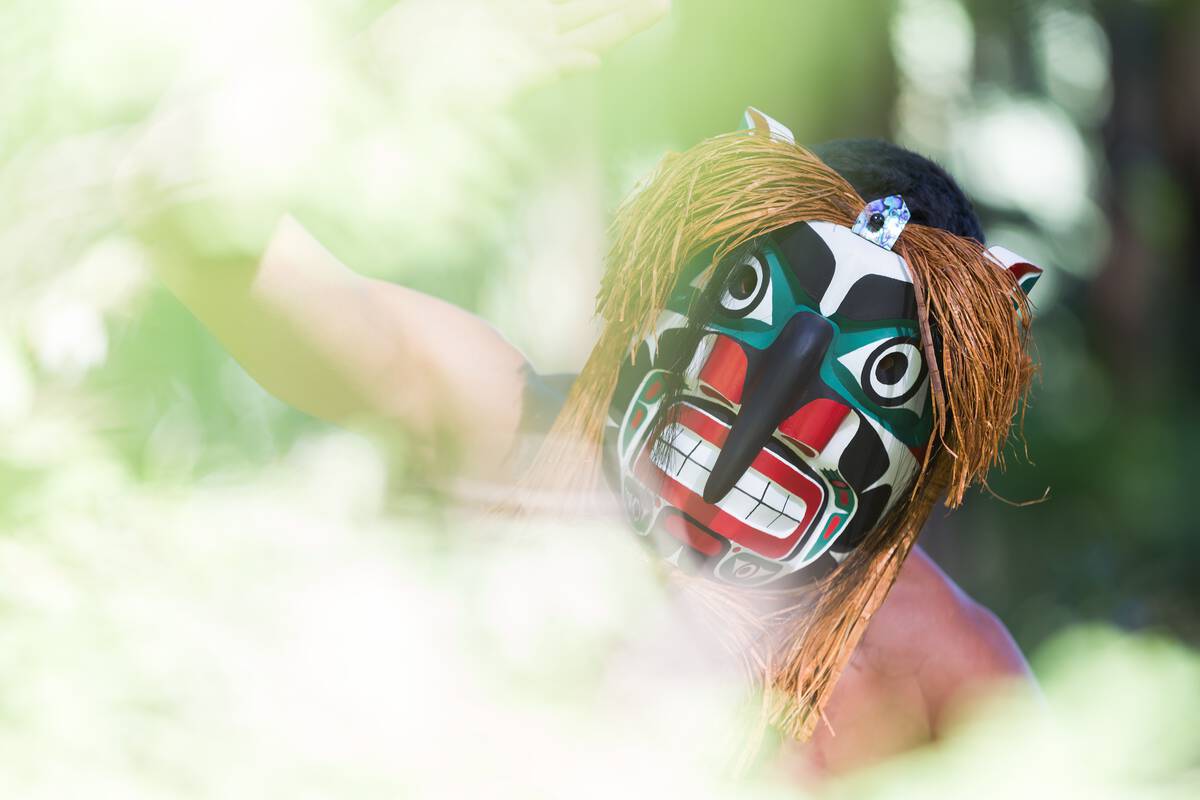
(788, 379)
(781, 405)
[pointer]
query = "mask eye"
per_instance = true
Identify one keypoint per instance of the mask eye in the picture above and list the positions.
(892, 372)
(745, 292)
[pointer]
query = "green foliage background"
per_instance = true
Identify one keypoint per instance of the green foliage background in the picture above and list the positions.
(137, 135)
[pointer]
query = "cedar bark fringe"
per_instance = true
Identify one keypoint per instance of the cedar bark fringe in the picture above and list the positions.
(722, 193)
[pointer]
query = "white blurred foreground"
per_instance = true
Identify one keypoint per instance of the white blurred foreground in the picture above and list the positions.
(287, 633)
(279, 636)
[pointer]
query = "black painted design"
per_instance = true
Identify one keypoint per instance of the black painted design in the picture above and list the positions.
(870, 509)
(809, 258)
(877, 297)
(865, 459)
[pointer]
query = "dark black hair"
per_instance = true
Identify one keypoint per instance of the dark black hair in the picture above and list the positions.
(876, 169)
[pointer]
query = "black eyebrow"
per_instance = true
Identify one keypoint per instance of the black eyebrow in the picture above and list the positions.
(877, 297)
(808, 257)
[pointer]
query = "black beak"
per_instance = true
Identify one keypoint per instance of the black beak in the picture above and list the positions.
(769, 396)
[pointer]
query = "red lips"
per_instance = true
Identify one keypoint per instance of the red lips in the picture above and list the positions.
(771, 466)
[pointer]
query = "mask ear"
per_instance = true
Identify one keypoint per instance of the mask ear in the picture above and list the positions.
(1025, 273)
(761, 124)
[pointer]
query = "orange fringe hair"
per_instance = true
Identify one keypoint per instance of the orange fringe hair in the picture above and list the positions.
(722, 193)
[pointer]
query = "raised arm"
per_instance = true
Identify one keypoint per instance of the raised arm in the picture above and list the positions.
(347, 348)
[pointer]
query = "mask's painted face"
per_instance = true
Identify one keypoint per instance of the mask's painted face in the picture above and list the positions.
(797, 401)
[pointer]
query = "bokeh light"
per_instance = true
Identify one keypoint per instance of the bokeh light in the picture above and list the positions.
(206, 593)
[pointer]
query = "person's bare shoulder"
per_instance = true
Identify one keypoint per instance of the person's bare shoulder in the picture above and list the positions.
(957, 649)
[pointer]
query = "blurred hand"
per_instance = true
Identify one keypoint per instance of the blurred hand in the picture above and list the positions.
(584, 29)
(483, 52)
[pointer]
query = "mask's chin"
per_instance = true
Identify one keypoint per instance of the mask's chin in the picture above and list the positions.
(771, 509)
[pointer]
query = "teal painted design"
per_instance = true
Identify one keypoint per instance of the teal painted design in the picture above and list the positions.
(640, 415)
(788, 298)
(844, 502)
(910, 427)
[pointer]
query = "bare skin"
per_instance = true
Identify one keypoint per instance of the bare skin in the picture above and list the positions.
(351, 349)
(929, 652)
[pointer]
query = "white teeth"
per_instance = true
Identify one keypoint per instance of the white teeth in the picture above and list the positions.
(755, 500)
(775, 497)
(752, 484)
(791, 506)
(681, 438)
(763, 517)
(705, 456)
(738, 504)
(794, 506)
(669, 460)
(692, 474)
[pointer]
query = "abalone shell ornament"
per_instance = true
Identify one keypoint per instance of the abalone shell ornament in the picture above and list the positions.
(882, 221)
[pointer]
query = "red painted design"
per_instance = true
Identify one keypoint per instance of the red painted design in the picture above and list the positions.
(814, 425)
(835, 522)
(652, 391)
(712, 517)
(724, 373)
(691, 535)
(1023, 268)
(639, 414)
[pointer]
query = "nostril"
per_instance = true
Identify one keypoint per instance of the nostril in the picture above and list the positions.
(724, 373)
(814, 424)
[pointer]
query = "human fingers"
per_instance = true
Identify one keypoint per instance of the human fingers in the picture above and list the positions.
(571, 14)
(616, 25)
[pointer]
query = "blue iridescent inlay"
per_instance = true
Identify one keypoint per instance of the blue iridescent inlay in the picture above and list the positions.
(882, 220)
